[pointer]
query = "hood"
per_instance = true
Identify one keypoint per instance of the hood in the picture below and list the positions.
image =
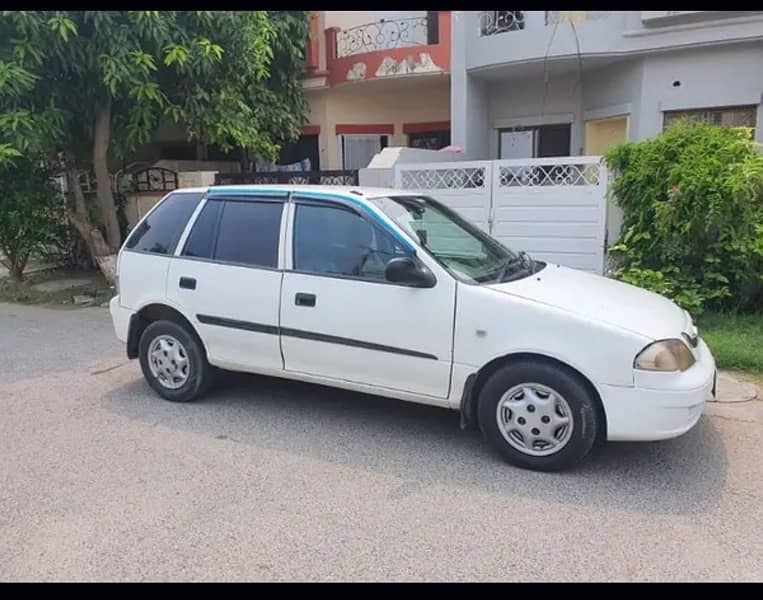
(602, 299)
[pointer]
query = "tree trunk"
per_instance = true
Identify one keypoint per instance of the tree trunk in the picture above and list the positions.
(101, 141)
(244, 162)
(102, 254)
(15, 264)
(16, 270)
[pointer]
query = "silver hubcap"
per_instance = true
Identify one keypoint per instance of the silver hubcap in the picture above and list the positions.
(168, 362)
(535, 419)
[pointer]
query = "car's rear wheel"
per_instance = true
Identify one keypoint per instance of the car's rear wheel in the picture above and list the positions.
(173, 362)
(538, 415)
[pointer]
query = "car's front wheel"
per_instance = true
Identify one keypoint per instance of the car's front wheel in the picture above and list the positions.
(173, 362)
(538, 415)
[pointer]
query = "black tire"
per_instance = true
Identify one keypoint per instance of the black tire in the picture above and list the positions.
(582, 403)
(200, 372)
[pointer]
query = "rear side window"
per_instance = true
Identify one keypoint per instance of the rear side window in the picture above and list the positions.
(249, 233)
(201, 240)
(160, 232)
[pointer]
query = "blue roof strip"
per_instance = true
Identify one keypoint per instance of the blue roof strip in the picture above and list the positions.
(243, 191)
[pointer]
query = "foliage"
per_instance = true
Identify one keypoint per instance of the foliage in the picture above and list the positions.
(736, 340)
(98, 83)
(692, 201)
(230, 77)
(32, 217)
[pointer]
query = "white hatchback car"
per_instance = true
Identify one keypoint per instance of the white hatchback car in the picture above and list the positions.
(391, 293)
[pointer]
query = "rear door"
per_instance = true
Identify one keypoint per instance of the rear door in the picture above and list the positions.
(147, 253)
(226, 277)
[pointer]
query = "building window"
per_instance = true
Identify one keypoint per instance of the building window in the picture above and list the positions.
(430, 140)
(498, 21)
(732, 116)
(356, 150)
(304, 149)
(177, 151)
(534, 142)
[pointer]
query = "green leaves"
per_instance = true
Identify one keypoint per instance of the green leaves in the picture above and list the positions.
(176, 54)
(210, 49)
(7, 154)
(144, 61)
(31, 211)
(15, 80)
(62, 25)
(229, 78)
(692, 201)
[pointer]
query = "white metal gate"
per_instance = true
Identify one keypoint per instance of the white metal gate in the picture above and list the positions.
(553, 208)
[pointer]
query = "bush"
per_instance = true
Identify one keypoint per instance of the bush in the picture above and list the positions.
(32, 218)
(692, 201)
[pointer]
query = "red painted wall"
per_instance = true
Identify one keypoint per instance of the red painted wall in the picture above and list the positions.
(338, 67)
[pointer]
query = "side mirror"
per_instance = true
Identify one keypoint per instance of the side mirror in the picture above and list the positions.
(407, 271)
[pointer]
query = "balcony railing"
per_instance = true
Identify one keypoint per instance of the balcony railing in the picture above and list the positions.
(556, 17)
(332, 177)
(498, 21)
(386, 34)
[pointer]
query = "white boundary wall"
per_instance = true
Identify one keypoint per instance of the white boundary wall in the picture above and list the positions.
(553, 208)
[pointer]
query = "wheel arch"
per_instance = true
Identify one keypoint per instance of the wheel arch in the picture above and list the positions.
(151, 313)
(476, 381)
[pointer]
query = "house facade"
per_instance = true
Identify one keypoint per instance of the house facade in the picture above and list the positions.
(533, 84)
(374, 79)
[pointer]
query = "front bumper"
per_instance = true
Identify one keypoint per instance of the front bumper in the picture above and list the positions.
(120, 317)
(659, 406)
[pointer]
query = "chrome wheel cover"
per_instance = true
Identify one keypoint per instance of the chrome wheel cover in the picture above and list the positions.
(168, 362)
(534, 419)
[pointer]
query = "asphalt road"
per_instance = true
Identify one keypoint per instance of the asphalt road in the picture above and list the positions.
(271, 480)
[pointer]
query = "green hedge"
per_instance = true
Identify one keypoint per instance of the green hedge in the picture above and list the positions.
(692, 201)
(32, 215)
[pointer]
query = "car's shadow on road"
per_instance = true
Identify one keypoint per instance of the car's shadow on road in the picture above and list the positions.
(425, 446)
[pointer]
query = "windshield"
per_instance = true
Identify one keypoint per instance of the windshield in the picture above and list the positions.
(462, 248)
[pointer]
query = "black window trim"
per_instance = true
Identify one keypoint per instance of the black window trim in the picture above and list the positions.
(338, 203)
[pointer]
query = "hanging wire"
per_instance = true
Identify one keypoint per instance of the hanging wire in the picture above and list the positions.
(545, 70)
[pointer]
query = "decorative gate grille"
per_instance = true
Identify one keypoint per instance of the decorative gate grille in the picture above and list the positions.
(553, 208)
(343, 177)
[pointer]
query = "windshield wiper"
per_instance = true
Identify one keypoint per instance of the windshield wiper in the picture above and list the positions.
(522, 257)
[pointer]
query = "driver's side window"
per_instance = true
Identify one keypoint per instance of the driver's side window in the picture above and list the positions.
(337, 241)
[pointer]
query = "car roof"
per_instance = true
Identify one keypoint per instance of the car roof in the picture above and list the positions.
(352, 191)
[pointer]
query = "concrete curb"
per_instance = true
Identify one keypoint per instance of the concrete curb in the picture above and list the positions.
(732, 389)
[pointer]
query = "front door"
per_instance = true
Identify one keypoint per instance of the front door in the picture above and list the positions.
(342, 320)
(226, 279)
(603, 134)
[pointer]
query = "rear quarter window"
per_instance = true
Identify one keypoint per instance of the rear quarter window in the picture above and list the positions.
(160, 232)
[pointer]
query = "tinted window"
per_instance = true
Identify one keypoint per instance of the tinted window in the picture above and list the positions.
(249, 233)
(161, 231)
(340, 242)
(201, 240)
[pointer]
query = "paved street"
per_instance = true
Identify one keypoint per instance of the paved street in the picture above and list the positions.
(270, 480)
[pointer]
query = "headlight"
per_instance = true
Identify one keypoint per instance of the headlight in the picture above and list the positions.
(665, 355)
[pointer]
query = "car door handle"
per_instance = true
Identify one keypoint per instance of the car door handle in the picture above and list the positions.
(188, 283)
(304, 299)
